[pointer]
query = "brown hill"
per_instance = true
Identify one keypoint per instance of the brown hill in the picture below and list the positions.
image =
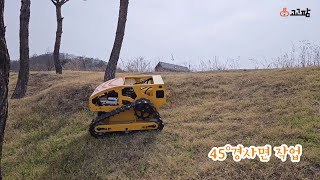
(47, 137)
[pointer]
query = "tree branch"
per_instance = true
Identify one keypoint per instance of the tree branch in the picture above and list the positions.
(55, 3)
(63, 2)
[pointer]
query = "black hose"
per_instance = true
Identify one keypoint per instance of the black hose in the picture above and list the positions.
(144, 81)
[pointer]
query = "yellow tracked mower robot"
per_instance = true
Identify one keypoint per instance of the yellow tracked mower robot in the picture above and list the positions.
(126, 104)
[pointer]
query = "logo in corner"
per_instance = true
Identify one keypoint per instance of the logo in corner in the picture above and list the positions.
(284, 12)
(296, 12)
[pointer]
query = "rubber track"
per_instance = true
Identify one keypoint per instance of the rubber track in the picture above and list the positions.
(127, 107)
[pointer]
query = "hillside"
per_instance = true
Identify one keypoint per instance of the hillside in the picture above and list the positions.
(47, 137)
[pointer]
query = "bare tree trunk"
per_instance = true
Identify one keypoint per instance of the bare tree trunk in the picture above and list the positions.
(4, 80)
(114, 57)
(56, 52)
(23, 77)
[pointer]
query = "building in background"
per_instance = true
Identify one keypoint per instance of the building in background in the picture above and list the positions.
(166, 67)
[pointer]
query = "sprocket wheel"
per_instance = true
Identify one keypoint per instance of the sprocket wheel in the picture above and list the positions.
(94, 133)
(143, 111)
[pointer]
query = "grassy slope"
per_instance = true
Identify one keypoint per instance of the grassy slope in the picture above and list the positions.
(46, 135)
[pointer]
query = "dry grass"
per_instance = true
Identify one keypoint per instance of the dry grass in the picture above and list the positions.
(47, 138)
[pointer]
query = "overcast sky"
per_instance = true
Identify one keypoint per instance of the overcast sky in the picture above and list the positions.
(188, 29)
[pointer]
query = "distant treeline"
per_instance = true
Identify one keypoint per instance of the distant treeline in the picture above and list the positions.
(44, 62)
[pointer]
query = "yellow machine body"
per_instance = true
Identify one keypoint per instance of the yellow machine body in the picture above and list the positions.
(120, 104)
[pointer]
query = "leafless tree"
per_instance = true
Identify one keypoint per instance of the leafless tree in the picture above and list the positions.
(213, 65)
(115, 53)
(233, 63)
(303, 54)
(316, 52)
(303, 50)
(23, 77)
(48, 60)
(85, 61)
(4, 80)
(139, 64)
(187, 64)
(56, 53)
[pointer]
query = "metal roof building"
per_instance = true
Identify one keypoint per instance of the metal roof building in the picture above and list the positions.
(166, 67)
